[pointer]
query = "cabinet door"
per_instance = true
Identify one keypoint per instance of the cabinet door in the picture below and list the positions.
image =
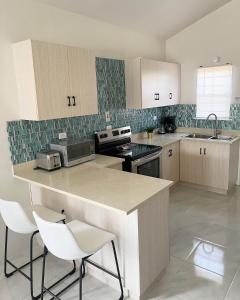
(133, 83)
(191, 162)
(170, 162)
(163, 82)
(173, 83)
(52, 80)
(149, 75)
(216, 165)
(83, 84)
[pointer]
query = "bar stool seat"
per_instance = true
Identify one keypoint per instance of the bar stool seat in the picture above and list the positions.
(89, 238)
(20, 219)
(75, 241)
(47, 214)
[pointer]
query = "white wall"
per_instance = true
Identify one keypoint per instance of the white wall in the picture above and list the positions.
(24, 19)
(215, 35)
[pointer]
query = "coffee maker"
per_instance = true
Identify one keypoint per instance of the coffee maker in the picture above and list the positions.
(168, 125)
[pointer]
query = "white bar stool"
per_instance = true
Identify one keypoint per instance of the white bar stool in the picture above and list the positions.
(20, 220)
(74, 241)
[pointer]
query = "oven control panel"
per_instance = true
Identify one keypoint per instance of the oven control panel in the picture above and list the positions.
(113, 134)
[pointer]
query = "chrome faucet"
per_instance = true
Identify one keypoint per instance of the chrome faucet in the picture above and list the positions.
(215, 129)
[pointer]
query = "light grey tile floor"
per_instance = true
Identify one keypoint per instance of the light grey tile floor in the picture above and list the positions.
(205, 254)
(205, 247)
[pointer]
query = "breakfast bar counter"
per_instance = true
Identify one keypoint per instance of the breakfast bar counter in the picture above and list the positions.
(106, 187)
(133, 207)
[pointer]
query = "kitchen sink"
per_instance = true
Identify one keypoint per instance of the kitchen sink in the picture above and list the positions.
(222, 138)
(210, 137)
(199, 136)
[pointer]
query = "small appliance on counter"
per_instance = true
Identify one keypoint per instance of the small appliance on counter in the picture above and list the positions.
(169, 124)
(161, 129)
(73, 151)
(48, 160)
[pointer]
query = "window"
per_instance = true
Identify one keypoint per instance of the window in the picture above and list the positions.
(214, 91)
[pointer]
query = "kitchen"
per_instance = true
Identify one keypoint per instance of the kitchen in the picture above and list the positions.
(123, 98)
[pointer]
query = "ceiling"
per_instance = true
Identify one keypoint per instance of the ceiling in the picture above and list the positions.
(160, 18)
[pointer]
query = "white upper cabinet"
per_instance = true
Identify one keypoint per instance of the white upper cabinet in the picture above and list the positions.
(54, 81)
(82, 79)
(151, 83)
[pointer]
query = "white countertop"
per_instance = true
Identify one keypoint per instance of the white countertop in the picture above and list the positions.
(103, 161)
(160, 139)
(93, 182)
(214, 141)
(170, 138)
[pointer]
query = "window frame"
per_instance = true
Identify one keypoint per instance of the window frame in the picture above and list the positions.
(199, 114)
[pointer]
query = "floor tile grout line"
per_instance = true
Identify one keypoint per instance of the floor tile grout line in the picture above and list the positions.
(209, 242)
(205, 269)
(193, 249)
(231, 284)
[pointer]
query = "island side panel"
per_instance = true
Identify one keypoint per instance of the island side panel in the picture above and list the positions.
(147, 250)
(154, 248)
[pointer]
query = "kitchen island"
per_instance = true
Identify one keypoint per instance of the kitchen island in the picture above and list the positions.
(134, 207)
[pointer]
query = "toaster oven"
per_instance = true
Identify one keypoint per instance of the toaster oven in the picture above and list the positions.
(73, 151)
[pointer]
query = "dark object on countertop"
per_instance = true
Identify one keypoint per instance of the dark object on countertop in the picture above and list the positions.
(162, 130)
(169, 124)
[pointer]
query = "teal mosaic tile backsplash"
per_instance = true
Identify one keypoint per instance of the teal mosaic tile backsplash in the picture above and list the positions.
(26, 138)
(186, 117)
(110, 84)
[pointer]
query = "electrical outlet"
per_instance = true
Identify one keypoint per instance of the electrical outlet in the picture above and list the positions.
(108, 116)
(109, 127)
(155, 118)
(62, 135)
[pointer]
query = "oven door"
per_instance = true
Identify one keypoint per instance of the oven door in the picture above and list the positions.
(148, 165)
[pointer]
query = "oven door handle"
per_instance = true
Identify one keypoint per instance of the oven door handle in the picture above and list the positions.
(146, 159)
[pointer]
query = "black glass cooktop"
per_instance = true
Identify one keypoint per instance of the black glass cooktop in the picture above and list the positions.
(131, 151)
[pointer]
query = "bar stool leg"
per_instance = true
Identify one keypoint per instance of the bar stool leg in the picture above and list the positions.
(118, 271)
(83, 269)
(80, 280)
(5, 252)
(43, 272)
(74, 263)
(31, 265)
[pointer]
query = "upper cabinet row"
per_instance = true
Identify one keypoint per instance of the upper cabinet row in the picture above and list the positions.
(57, 81)
(54, 81)
(151, 83)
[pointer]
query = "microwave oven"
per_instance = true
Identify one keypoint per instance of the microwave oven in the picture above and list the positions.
(73, 151)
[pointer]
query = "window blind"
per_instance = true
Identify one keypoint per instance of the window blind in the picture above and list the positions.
(214, 91)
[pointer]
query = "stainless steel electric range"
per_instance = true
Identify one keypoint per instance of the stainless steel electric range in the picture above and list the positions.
(138, 158)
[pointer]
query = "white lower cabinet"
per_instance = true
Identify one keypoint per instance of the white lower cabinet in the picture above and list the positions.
(210, 164)
(170, 162)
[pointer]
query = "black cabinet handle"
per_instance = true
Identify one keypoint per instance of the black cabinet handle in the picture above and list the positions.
(74, 100)
(156, 97)
(205, 151)
(200, 151)
(170, 96)
(69, 100)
